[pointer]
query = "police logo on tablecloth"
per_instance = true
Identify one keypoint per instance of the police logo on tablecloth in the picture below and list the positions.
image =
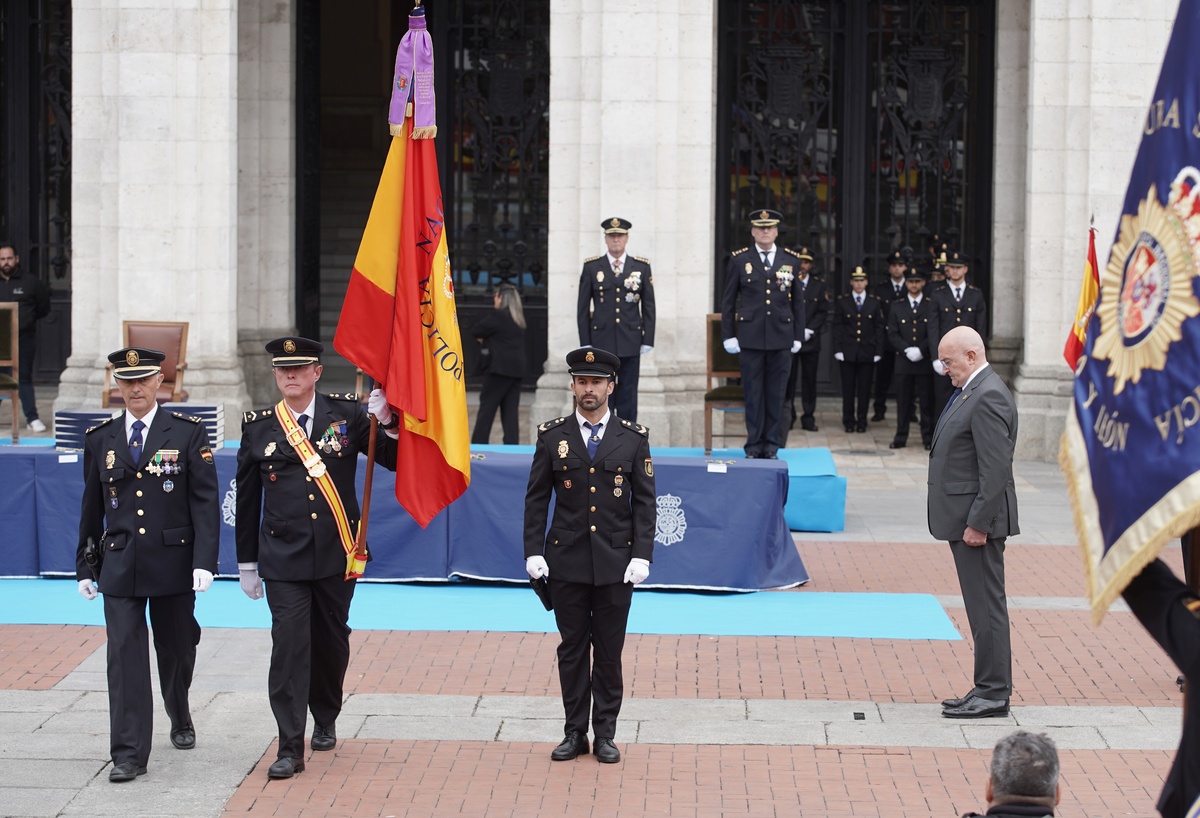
(229, 505)
(1146, 290)
(672, 523)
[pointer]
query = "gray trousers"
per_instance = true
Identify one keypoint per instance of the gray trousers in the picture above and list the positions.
(981, 578)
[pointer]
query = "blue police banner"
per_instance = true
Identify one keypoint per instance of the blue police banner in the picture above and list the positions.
(1131, 448)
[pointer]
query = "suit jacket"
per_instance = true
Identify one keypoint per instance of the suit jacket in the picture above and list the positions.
(616, 313)
(298, 539)
(504, 342)
(970, 463)
(162, 513)
(761, 306)
(816, 312)
(908, 329)
(1164, 605)
(605, 508)
(886, 294)
(859, 335)
(970, 311)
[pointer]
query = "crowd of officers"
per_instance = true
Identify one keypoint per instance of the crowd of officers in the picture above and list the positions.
(775, 306)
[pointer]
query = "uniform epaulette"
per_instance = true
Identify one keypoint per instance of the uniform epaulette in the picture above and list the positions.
(593, 258)
(642, 259)
(738, 252)
(189, 418)
(100, 425)
(350, 396)
(637, 427)
(257, 414)
(552, 424)
(797, 255)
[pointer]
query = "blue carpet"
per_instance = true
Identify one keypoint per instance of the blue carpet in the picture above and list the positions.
(477, 607)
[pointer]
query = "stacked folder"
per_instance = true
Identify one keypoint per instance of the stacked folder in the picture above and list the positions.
(213, 415)
(71, 425)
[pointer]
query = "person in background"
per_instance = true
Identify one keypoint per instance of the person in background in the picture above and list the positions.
(1024, 777)
(501, 334)
(33, 299)
(859, 336)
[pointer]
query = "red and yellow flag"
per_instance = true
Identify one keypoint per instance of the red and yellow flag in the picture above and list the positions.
(1088, 294)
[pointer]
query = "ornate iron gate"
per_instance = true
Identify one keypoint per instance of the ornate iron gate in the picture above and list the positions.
(35, 177)
(869, 125)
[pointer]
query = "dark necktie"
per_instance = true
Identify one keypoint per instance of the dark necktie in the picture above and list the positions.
(958, 294)
(914, 305)
(135, 442)
(858, 302)
(303, 421)
(896, 287)
(593, 440)
(766, 260)
(953, 397)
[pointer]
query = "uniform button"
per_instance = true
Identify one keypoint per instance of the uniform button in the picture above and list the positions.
(618, 309)
(858, 332)
(139, 475)
(139, 492)
(309, 479)
(564, 468)
(768, 301)
(314, 515)
(593, 508)
(620, 468)
(593, 528)
(312, 497)
(592, 470)
(141, 531)
(593, 489)
(141, 513)
(618, 320)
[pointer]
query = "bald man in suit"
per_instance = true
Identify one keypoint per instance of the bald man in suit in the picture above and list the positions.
(973, 506)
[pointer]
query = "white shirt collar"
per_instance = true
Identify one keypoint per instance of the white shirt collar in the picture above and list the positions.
(770, 251)
(148, 419)
(916, 298)
(620, 258)
(971, 377)
(310, 410)
(580, 420)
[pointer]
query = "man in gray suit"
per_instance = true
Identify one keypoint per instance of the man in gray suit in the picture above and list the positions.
(973, 505)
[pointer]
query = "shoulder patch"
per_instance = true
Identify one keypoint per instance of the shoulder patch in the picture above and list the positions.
(740, 250)
(189, 418)
(551, 424)
(642, 259)
(637, 427)
(590, 259)
(100, 425)
(350, 396)
(257, 414)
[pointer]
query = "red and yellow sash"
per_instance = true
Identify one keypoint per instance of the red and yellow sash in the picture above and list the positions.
(316, 470)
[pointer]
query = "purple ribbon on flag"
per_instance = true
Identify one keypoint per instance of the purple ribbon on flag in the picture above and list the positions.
(412, 87)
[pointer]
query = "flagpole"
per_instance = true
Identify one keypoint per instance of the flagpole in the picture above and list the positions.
(359, 562)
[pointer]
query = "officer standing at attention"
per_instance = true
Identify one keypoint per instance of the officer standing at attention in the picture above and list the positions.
(762, 322)
(887, 292)
(295, 473)
(804, 363)
(597, 467)
(859, 336)
(910, 332)
(150, 507)
(958, 304)
(616, 310)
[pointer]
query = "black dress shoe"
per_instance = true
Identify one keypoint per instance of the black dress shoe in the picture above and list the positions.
(808, 424)
(896, 444)
(849, 428)
(125, 771)
(574, 744)
(323, 738)
(877, 417)
(862, 427)
(285, 767)
(928, 446)
(606, 751)
(184, 738)
(977, 708)
(957, 702)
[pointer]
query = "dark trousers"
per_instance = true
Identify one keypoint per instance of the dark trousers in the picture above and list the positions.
(624, 397)
(503, 393)
(883, 381)
(764, 379)
(591, 620)
(804, 372)
(981, 579)
(912, 390)
(27, 344)
(130, 699)
(310, 649)
(942, 388)
(856, 388)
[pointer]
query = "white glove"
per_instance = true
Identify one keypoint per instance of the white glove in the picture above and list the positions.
(87, 589)
(877, 359)
(938, 367)
(637, 571)
(837, 356)
(731, 346)
(808, 334)
(537, 567)
(377, 405)
(796, 347)
(201, 579)
(644, 350)
(251, 584)
(913, 354)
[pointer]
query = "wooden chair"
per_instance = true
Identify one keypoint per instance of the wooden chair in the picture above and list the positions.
(169, 337)
(720, 364)
(9, 327)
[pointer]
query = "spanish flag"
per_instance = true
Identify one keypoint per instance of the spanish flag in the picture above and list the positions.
(1088, 294)
(398, 322)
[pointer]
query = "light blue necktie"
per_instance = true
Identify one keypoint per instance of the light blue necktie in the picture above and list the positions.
(593, 441)
(135, 442)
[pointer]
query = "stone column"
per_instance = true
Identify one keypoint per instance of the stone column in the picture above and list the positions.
(632, 106)
(154, 188)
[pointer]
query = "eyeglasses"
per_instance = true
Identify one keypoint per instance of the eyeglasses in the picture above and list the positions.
(946, 361)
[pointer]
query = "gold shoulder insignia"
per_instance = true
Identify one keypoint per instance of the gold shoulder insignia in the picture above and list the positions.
(99, 425)
(642, 259)
(550, 424)
(189, 418)
(590, 259)
(257, 414)
(739, 251)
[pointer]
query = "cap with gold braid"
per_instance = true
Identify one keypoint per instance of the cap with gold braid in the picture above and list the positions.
(295, 351)
(590, 361)
(135, 363)
(765, 218)
(616, 225)
(858, 274)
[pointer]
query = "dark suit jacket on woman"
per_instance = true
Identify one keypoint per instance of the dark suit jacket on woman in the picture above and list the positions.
(505, 342)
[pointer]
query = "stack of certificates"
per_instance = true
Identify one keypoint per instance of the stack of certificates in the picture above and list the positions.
(213, 415)
(71, 425)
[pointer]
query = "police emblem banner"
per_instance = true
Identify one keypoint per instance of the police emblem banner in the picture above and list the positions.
(1131, 448)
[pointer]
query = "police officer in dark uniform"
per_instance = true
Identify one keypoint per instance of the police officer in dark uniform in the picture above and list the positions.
(289, 535)
(762, 322)
(804, 363)
(910, 332)
(889, 291)
(958, 304)
(597, 467)
(150, 505)
(616, 310)
(859, 336)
